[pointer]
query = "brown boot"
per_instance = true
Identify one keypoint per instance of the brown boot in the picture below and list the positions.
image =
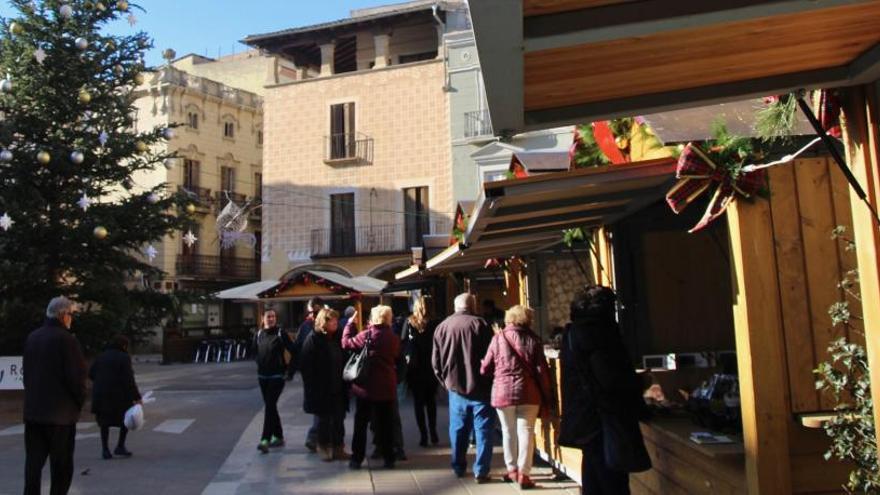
(340, 454)
(325, 452)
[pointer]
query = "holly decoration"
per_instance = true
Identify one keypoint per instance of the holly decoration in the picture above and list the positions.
(778, 118)
(716, 166)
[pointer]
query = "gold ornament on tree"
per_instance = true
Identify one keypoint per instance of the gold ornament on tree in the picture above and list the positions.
(100, 233)
(16, 28)
(44, 157)
(122, 5)
(190, 208)
(139, 78)
(140, 146)
(84, 96)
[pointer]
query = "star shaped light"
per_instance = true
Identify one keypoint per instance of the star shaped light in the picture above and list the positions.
(6, 222)
(40, 55)
(103, 138)
(84, 202)
(189, 239)
(150, 252)
(132, 20)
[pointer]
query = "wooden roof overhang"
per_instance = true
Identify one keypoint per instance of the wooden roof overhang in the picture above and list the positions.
(522, 216)
(554, 62)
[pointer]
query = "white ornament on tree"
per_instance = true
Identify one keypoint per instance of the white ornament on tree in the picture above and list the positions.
(66, 11)
(40, 55)
(168, 133)
(81, 43)
(132, 20)
(153, 198)
(5, 156)
(77, 157)
(84, 202)
(6, 85)
(6, 222)
(103, 138)
(169, 163)
(189, 239)
(151, 252)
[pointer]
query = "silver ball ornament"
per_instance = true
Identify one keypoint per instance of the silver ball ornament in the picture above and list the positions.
(81, 43)
(168, 133)
(5, 156)
(153, 198)
(77, 157)
(6, 85)
(169, 163)
(66, 11)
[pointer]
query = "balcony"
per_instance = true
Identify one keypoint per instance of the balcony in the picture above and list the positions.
(200, 196)
(372, 240)
(348, 148)
(256, 211)
(217, 267)
(477, 124)
(221, 197)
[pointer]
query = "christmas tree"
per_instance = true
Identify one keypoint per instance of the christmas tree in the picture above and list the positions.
(73, 220)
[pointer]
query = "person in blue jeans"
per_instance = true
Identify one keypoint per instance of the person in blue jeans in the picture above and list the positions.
(460, 342)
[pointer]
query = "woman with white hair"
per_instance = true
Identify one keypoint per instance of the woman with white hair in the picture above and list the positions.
(521, 385)
(377, 394)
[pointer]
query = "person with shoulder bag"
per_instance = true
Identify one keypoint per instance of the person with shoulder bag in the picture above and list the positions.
(521, 388)
(602, 398)
(270, 342)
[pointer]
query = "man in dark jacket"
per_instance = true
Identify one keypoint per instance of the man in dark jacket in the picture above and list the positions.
(54, 392)
(314, 305)
(460, 342)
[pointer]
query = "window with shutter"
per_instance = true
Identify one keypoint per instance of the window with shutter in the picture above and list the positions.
(416, 215)
(343, 140)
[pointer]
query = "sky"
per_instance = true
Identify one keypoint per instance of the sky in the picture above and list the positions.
(212, 26)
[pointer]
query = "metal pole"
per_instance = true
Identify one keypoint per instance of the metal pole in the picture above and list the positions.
(835, 153)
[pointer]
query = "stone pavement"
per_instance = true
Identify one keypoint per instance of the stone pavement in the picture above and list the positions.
(293, 470)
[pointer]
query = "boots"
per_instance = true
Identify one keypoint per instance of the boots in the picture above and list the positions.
(340, 454)
(525, 482)
(325, 452)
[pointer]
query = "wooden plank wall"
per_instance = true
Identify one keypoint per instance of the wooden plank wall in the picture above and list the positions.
(808, 199)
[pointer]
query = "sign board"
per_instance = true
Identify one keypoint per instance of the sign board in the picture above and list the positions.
(11, 373)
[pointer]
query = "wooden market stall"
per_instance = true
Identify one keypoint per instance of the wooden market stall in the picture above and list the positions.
(548, 63)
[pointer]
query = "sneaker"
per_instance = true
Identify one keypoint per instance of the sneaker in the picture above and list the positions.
(482, 480)
(276, 442)
(122, 452)
(525, 483)
(263, 446)
(311, 446)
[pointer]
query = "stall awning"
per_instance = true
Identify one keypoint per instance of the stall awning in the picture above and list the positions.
(550, 63)
(552, 202)
(530, 162)
(523, 216)
(247, 292)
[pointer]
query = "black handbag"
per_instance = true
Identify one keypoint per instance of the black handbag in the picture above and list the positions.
(622, 443)
(357, 368)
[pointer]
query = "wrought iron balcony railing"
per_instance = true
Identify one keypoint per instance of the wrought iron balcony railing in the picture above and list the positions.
(221, 267)
(201, 196)
(376, 239)
(348, 147)
(477, 123)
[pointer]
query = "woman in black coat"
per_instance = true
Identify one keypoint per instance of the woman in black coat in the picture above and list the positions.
(597, 374)
(418, 344)
(324, 394)
(114, 391)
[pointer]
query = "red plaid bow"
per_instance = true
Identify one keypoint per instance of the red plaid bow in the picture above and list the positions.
(696, 173)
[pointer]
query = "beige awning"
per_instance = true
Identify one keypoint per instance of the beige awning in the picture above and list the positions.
(248, 292)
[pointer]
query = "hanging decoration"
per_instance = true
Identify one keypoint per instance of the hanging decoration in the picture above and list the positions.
(6, 222)
(77, 157)
(6, 85)
(100, 233)
(44, 157)
(132, 20)
(615, 142)
(40, 55)
(189, 239)
(719, 168)
(153, 198)
(66, 11)
(84, 202)
(150, 252)
(778, 118)
(81, 44)
(103, 138)
(5, 156)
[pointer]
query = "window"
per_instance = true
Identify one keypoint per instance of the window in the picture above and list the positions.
(342, 234)
(192, 120)
(258, 185)
(229, 129)
(260, 138)
(417, 57)
(416, 215)
(190, 174)
(343, 143)
(227, 179)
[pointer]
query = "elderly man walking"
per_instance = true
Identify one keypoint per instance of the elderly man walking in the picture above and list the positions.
(54, 392)
(460, 342)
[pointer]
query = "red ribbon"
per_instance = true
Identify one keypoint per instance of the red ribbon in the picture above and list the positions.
(696, 173)
(607, 142)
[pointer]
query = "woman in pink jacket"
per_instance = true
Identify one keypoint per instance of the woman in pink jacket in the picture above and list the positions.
(521, 384)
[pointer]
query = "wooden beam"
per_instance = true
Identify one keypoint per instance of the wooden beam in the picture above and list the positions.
(498, 32)
(686, 98)
(862, 142)
(634, 20)
(760, 348)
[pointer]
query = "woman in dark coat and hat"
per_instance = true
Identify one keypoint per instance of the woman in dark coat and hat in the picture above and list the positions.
(114, 391)
(601, 394)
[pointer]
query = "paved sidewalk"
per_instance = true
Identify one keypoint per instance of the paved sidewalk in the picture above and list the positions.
(293, 470)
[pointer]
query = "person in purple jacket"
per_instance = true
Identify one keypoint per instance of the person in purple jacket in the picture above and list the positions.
(376, 397)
